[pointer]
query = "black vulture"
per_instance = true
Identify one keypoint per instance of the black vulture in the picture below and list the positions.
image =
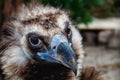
(39, 42)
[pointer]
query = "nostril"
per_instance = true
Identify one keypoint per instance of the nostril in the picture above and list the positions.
(54, 47)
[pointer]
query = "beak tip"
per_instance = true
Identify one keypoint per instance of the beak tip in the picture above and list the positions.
(75, 71)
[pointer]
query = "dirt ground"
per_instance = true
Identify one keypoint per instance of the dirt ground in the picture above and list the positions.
(105, 60)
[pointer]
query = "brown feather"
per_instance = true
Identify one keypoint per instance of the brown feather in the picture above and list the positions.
(90, 73)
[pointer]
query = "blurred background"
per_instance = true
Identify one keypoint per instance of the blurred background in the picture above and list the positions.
(98, 22)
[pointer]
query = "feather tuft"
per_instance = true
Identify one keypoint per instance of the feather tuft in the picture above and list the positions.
(90, 73)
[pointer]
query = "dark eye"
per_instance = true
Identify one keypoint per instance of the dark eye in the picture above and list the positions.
(34, 41)
(67, 27)
(68, 30)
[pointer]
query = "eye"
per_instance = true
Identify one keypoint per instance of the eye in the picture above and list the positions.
(67, 27)
(68, 30)
(34, 41)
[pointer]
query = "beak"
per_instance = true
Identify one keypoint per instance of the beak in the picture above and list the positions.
(60, 53)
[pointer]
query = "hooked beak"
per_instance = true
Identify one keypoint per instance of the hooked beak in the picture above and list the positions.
(60, 53)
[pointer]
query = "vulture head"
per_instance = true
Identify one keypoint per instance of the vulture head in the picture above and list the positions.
(40, 43)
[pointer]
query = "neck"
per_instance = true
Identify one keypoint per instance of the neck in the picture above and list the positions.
(39, 71)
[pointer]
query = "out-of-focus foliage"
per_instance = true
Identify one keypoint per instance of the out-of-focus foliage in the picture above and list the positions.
(1, 6)
(111, 8)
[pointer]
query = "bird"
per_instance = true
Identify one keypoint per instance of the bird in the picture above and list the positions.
(39, 42)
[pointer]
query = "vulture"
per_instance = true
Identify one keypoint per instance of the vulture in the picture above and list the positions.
(39, 42)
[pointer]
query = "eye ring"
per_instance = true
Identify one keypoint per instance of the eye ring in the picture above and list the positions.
(35, 41)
